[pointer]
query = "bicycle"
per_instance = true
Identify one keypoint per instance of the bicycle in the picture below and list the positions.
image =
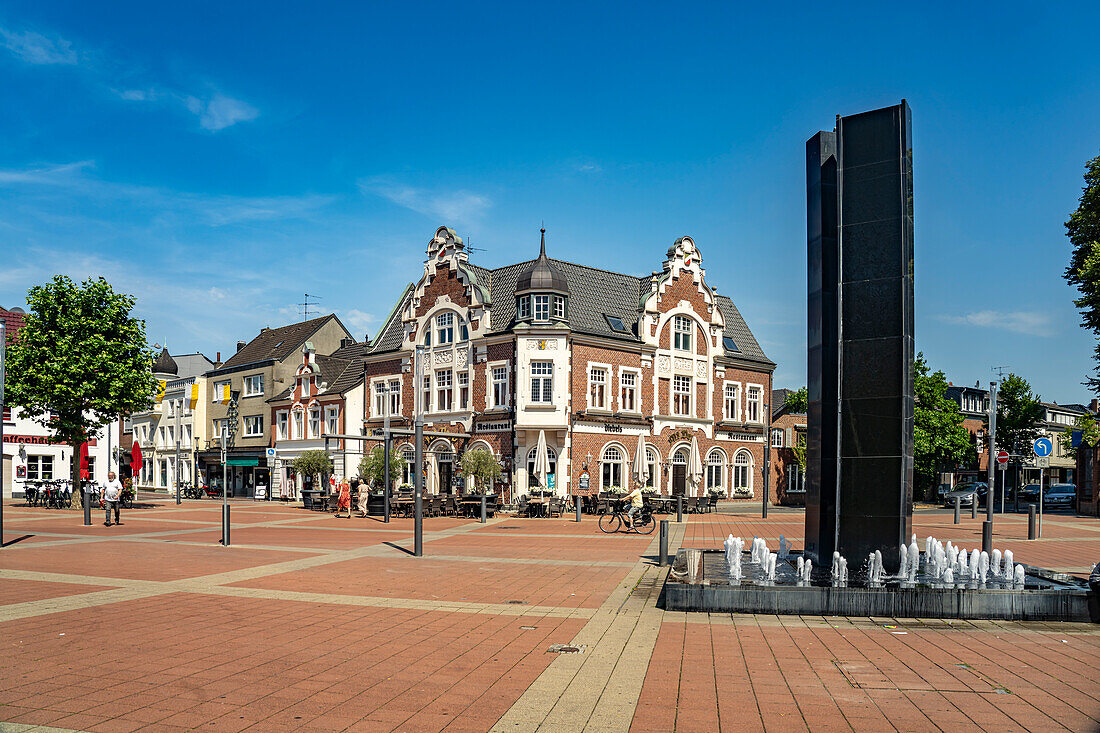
(126, 498)
(613, 522)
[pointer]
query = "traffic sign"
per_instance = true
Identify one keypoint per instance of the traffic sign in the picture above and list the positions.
(1043, 447)
(1042, 462)
(1002, 466)
(1002, 457)
(270, 452)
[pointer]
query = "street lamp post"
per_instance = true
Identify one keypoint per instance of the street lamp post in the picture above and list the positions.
(418, 490)
(987, 525)
(767, 457)
(179, 409)
(386, 453)
(229, 433)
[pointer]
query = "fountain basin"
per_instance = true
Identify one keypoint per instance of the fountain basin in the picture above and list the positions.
(699, 581)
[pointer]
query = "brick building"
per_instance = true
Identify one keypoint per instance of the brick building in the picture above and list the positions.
(788, 430)
(587, 358)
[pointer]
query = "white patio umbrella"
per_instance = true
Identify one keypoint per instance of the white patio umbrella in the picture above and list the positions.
(542, 460)
(694, 467)
(640, 470)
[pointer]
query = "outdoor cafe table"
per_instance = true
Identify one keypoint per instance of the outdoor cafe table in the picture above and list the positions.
(538, 505)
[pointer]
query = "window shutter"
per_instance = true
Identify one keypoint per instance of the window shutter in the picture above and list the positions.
(788, 438)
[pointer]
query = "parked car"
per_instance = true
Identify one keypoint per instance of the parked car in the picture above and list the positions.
(1060, 495)
(966, 493)
(1029, 493)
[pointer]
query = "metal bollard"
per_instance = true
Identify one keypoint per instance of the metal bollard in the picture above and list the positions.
(974, 506)
(87, 506)
(483, 510)
(664, 543)
(987, 537)
(679, 509)
(386, 505)
(1032, 534)
(958, 503)
(225, 525)
(577, 503)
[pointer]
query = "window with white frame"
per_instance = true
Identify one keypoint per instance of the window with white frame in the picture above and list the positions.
(777, 437)
(796, 479)
(254, 385)
(500, 386)
(306, 382)
(716, 469)
(426, 394)
(652, 465)
(681, 395)
(282, 419)
(742, 471)
(395, 396)
(559, 307)
(611, 468)
(379, 399)
(332, 420)
(445, 328)
(542, 307)
(597, 388)
(732, 401)
(40, 468)
(463, 330)
(681, 333)
(186, 437)
(253, 426)
(628, 391)
(524, 307)
(315, 422)
(408, 471)
(532, 479)
(428, 334)
(219, 390)
(753, 403)
(299, 425)
(463, 390)
(542, 381)
(444, 390)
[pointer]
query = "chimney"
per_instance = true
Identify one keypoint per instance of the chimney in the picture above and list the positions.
(241, 345)
(1094, 405)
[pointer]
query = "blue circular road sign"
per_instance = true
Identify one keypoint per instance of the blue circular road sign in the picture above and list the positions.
(1043, 447)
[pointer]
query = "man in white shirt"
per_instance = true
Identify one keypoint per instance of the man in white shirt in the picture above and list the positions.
(112, 492)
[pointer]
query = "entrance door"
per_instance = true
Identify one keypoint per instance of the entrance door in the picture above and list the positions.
(445, 475)
(679, 479)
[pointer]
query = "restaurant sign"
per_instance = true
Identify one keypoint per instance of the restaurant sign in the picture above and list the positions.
(746, 437)
(31, 440)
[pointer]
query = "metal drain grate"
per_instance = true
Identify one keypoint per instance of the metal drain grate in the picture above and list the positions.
(517, 603)
(566, 649)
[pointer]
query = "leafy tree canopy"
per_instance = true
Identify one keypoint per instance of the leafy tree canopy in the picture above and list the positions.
(372, 468)
(798, 401)
(80, 355)
(312, 463)
(1019, 414)
(1083, 230)
(941, 442)
(1090, 434)
(480, 465)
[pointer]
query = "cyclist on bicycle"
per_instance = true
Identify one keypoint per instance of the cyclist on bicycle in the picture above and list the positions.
(635, 498)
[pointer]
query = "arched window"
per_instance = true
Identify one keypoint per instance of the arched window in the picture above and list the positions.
(716, 469)
(652, 464)
(532, 480)
(611, 469)
(680, 457)
(299, 425)
(742, 472)
(410, 465)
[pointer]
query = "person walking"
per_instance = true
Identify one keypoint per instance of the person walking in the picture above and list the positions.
(112, 492)
(364, 497)
(343, 500)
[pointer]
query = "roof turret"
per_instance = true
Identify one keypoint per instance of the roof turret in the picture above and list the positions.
(542, 274)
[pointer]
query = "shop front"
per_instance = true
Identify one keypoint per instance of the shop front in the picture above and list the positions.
(245, 471)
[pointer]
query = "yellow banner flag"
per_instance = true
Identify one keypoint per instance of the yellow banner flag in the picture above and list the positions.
(161, 387)
(193, 397)
(226, 394)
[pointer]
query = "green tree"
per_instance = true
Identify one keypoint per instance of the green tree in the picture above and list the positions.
(312, 463)
(1090, 434)
(372, 468)
(940, 441)
(1083, 230)
(798, 401)
(799, 450)
(80, 360)
(480, 465)
(1019, 414)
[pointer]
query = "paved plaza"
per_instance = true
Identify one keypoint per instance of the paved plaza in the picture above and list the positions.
(308, 622)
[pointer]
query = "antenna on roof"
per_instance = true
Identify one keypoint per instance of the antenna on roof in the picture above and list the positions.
(471, 248)
(305, 306)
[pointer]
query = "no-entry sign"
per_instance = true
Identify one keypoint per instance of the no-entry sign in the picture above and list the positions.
(1002, 457)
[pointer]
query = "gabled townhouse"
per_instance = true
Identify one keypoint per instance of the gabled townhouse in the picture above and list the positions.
(260, 368)
(587, 359)
(788, 432)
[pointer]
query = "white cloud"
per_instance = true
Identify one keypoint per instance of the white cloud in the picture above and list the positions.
(35, 48)
(357, 321)
(220, 111)
(1031, 323)
(50, 175)
(449, 207)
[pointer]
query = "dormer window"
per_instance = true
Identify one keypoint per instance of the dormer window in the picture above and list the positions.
(524, 308)
(542, 307)
(445, 328)
(559, 307)
(681, 333)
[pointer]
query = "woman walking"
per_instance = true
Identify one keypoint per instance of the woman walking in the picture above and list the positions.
(343, 501)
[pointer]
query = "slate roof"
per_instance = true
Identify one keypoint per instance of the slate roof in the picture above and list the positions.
(593, 294)
(339, 374)
(277, 343)
(165, 364)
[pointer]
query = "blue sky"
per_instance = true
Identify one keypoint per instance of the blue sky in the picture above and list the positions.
(218, 160)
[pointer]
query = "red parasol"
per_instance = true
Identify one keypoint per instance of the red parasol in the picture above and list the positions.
(84, 461)
(135, 459)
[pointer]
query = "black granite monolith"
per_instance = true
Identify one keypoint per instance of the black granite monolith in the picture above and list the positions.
(859, 478)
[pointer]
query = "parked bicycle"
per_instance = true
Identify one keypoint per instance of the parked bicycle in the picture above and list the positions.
(643, 521)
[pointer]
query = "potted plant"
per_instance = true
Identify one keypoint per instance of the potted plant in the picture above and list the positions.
(309, 464)
(372, 467)
(480, 465)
